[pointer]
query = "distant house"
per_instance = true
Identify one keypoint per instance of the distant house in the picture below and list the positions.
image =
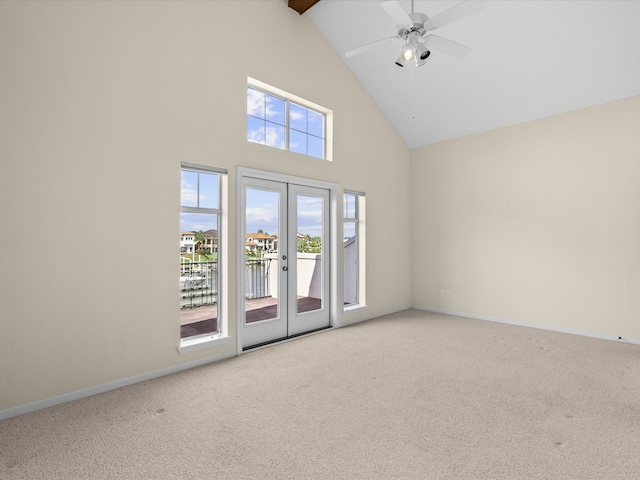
(260, 241)
(187, 242)
(211, 241)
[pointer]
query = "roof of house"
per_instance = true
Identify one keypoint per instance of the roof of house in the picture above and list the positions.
(259, 235)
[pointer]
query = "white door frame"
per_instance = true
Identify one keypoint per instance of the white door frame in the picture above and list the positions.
(334, 193)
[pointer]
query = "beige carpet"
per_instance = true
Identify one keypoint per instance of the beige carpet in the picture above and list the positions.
(413, 395)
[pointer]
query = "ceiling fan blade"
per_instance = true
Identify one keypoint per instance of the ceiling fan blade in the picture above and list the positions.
(454, 13)
(395, 11)
(449, 47)
(369, 46)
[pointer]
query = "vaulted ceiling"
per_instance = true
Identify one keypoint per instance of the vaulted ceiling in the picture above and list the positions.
(529, 59)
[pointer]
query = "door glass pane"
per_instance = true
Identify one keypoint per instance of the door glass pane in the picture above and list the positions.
(310, 237)
(262, 227)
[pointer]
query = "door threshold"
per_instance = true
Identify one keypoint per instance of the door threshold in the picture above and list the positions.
(284, 339)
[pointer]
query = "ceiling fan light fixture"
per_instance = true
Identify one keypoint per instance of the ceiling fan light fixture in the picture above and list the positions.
(407, 53)
(422, 52)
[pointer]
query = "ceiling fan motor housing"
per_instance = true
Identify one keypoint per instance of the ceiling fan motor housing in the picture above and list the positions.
(419, 21)
(414, 38)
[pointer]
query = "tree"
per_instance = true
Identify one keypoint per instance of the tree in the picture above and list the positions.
(307, 244)
(198, 239)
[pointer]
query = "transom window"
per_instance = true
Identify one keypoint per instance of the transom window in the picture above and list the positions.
(281, 122)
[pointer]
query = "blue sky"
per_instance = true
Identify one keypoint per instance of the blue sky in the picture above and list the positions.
(262, 212)
(201, 190)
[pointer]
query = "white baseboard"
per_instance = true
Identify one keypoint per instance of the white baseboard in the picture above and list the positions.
(377, 315)
(634, 341)
(87, 392)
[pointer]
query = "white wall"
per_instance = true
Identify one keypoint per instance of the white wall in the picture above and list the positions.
(100, 103)
(536, 223)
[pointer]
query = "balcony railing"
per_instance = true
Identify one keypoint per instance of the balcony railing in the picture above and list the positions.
(199, 282)
(256, 274)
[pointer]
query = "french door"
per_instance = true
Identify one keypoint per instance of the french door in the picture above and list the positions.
(286, 260)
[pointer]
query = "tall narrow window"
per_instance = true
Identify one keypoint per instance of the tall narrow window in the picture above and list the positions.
(287, 122)
(353, 249)
(199, 252)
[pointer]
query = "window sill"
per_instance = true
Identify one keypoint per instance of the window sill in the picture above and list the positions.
(354, 308)
(193, 344)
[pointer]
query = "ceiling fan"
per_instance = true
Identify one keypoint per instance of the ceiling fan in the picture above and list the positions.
(414, 31)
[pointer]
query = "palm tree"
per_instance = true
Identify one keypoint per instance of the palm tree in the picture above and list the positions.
(198, 239)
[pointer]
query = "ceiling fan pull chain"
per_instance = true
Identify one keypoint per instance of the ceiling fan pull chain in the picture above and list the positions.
(413, 94)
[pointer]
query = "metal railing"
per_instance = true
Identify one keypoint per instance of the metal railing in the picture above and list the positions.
(256, 278)
(199, 282)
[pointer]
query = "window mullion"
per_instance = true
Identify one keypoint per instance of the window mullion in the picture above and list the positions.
(286, 121)
(198, 193)
(210, 211)
(190, 167)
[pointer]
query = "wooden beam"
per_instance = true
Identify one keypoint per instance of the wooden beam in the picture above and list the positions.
(302, 6)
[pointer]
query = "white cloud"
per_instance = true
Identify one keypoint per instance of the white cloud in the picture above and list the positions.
(296, 115)
(194, 222)
(274, 139)
(264, 218)
(256, 135)
(188, 193)
(310, 202)
(255, 102)
(272, 108)
(261, 105)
